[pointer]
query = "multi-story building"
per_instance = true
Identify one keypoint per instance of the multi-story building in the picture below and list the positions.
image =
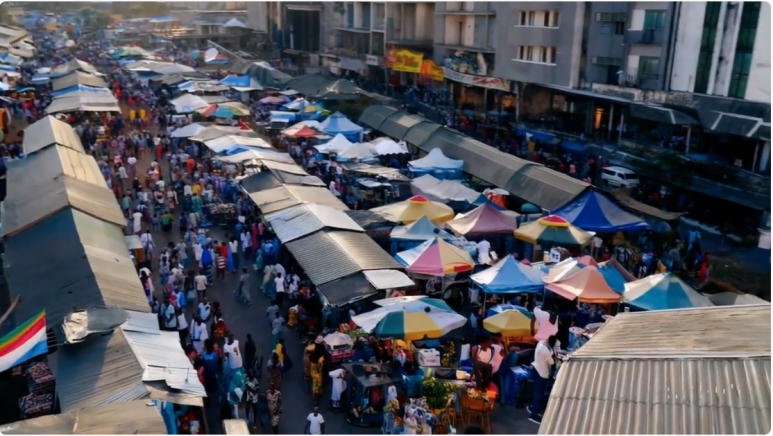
(540, 42)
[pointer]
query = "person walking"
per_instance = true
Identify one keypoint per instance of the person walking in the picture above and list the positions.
(244, 287)
(315, 422)
(274, 398)
(251, 404)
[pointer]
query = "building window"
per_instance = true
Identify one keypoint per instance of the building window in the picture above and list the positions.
(653, 20)
(708, 38)
(649, 68)
(743, 49)
(611, 16)
(600, 60)
(537, 19)
(536, 54)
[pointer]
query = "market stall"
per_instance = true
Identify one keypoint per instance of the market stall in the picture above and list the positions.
(438, 165)
(415, 233)
(413, 209)
(663, 292)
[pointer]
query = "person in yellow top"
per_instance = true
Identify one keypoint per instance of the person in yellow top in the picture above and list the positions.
(196, 189)
(132, 115)
(143, 115)
(280, 350)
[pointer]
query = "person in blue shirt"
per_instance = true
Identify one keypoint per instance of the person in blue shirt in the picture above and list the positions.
(211, 365)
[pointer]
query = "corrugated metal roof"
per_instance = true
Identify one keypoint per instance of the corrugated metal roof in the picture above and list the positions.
(305, 219)
(287, 168)
(745, 332)
(345, 253)
(131, 418)
(74, 261)
(77, 78)
(694, 371)
(49, 131)
(280, 198)
(100, 370)
(50, 163)
(63, 192)
(160, 355)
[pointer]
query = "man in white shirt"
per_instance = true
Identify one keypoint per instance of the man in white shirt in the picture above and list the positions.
(201, 286)
(333, 189)
(170, 315)
(279, 269)
(484, 247)
(232, 353)
(316, 423)
(279, 282)
(148, 244)
(137, 222)
(205, 309)
(541, 370)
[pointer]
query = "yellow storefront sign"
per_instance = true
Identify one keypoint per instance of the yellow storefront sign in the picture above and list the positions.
(407, 61)
(431, 70)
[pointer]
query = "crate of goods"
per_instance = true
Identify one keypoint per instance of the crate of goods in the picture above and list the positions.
(35, 405)
(428, 357)
(41, 379)
(477, 401)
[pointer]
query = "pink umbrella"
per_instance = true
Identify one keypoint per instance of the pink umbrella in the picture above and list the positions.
(272, 100)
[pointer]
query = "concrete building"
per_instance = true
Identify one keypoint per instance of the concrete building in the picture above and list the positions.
(728, 54)
(540, 42)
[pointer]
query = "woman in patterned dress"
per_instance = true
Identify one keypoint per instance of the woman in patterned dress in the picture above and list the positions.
(274, 398)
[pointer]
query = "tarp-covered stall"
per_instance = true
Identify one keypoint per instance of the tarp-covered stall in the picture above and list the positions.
(663, 292)
(509, 276)
(593, 212)
(415, 233)
(437, 258)
(49, 131)
(484, 220)
(338, 123)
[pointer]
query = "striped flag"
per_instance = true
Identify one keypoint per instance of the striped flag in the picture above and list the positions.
(25, 342)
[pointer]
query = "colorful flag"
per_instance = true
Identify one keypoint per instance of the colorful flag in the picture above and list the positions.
(25, 342)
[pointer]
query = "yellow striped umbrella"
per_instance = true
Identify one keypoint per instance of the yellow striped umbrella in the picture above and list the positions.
(509, 323)
(414, 326)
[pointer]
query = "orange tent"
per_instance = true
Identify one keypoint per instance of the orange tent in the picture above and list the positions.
(587, 285)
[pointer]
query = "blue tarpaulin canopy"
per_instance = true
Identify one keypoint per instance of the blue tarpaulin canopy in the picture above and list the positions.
(420, 230)
(338, 123)
(615, 275)
(509, 275)
(593, 212)
(246, 82)
(663, 292)
(81, 88)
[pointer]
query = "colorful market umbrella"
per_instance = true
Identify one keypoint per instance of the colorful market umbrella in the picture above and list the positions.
(413, 209)
(586, 285)
(499, 308)
(553, 231)
(313, 108)
(663, 292)
(414, 326)
(509, 323)
(436, 257)
(368, 321)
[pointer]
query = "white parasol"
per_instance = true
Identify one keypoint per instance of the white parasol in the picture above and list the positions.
(338, 340)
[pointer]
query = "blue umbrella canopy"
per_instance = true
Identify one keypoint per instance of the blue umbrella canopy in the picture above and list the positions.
(593, 212)
(507, 276)
(420, 230)
(663, 292)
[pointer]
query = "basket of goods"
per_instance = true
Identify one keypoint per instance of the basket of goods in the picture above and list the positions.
(222, 209)
(477, 401)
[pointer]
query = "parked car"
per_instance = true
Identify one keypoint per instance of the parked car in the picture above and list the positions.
(617, 177)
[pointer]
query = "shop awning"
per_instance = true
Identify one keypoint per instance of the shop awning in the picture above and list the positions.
(302, 220)
(737, 124)
(348, 290)
(661, 114)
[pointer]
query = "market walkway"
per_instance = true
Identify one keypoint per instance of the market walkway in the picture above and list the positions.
(296, 393)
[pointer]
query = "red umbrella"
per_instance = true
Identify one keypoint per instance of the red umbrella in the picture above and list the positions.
(305, 132)
(209, 110)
